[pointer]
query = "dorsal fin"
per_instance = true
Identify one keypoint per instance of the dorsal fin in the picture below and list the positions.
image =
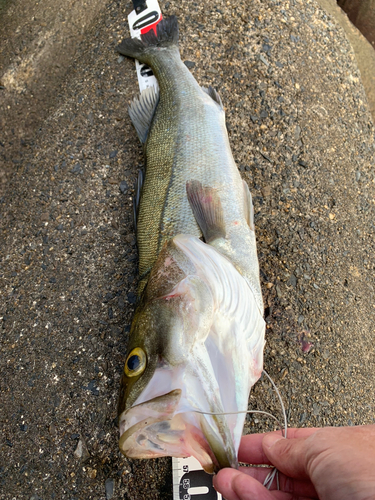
(214, 95)
(142, 110)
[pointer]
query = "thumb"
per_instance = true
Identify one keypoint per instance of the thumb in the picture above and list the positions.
(287, 455)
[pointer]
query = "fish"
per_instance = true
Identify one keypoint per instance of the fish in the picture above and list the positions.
(197, 337)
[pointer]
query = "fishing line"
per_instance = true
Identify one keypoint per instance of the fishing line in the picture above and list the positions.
(274, 472)
(238, 412)
(281, 404)
(271, 475)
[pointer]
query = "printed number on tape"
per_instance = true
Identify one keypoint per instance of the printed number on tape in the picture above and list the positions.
(190, 482)
(140, 23)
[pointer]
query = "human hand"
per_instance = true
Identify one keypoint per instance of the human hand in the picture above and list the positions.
(332, 463)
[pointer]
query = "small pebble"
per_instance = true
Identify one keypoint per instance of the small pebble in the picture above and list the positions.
(77, 169)
(92, 386)
(296, 132)
(316, 409)
(81, 452)
(124, 187)
(264, 60)
(132, 298)
(91, 473)
(266, 191)
(292, 280)
(109, 488)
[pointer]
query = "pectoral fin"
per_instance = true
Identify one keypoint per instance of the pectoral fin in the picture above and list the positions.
(206, 205)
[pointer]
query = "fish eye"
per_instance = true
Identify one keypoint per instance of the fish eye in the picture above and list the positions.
(135, 363)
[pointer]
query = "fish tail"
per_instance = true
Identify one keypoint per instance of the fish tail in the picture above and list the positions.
(166, 36)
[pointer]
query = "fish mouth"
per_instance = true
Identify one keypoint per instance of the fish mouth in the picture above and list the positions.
(167, 426)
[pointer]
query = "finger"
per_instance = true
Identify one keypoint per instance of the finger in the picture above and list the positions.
(304, 432)
(288, 455)
(234, 485)
(286, 484)
(251, 449)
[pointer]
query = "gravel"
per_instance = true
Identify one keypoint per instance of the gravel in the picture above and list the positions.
(300, 130)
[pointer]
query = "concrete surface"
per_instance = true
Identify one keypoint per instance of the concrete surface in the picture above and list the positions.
(303, 138)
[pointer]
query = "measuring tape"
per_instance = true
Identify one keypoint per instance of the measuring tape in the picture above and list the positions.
(190, 482)
(143, 18)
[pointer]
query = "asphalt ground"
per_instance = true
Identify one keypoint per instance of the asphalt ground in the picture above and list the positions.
(303, 139)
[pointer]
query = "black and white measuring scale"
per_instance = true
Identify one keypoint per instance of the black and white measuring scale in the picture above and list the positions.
(142, 19)
(190, 481)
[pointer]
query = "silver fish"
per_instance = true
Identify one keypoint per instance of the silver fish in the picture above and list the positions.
(197, 337)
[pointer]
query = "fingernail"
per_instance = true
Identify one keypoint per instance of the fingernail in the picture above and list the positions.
(270, 439)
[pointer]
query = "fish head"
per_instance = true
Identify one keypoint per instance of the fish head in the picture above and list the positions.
(179, 375)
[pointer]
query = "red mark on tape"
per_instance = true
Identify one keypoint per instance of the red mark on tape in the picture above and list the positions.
(151, 26)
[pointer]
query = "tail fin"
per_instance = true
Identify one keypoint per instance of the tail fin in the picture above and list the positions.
(167, 35)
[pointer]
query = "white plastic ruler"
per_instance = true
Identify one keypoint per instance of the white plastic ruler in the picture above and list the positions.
(190, 482)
